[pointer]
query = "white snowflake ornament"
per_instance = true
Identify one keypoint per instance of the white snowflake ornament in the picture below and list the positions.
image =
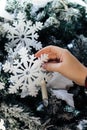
(23, 32)
(27, 73)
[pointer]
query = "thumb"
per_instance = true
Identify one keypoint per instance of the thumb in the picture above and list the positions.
(53, 67)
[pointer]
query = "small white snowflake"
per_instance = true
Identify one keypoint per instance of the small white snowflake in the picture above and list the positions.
(2, 127)
(7, 67)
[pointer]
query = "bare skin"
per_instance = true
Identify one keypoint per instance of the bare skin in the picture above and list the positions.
(62, 61)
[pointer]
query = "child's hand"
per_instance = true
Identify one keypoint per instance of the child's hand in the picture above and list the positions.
(62, 61)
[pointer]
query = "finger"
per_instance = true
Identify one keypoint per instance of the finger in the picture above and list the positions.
(45, 50)
(51, 55)
(52, 67)
(53, 52)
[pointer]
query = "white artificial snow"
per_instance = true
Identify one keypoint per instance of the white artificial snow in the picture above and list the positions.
(58, 81)
(70, 45)
(80, 2)
(64, 95)
(2, 127)
(52, 21)
(2, 85)
(82, 124)
(40, 3)
(67, 16)
(3, 12)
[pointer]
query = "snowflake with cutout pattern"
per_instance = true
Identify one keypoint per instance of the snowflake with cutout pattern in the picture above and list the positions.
(23, 32)
(27, 73)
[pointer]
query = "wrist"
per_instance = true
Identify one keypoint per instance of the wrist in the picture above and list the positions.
(86, 82)
(84, 78)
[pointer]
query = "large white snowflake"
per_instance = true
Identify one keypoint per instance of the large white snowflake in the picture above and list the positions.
(23, 32)
(27, 73)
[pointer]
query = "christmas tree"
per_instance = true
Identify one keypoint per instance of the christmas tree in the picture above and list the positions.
(26, 26)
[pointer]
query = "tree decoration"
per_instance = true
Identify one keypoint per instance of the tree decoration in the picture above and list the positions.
(22, 32)
(27, 73)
